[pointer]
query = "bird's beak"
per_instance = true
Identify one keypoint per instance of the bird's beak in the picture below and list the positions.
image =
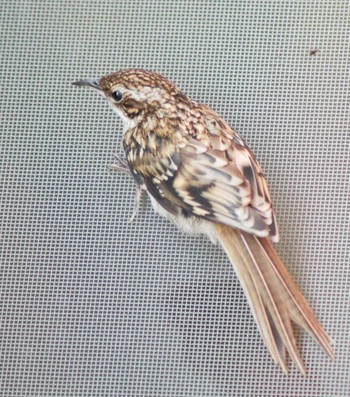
(88, 83)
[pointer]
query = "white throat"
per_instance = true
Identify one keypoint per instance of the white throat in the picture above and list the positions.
(127, 121)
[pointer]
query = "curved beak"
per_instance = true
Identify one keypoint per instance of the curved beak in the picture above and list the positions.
(87, 83)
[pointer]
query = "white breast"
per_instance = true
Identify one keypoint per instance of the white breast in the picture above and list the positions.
(190, 225)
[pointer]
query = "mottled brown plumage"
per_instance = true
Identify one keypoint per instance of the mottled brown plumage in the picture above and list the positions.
(200, 174)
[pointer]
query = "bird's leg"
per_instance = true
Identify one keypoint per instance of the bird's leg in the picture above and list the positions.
(138, 194)
(119, 165)
(122, 165)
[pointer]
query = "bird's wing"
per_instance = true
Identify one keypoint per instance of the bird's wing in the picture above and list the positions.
(215, 176)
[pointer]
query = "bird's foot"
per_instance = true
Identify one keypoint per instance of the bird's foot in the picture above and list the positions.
(119, 165)
(122, 165)
(138, 194)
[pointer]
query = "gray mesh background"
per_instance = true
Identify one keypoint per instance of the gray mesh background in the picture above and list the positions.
(95, 306)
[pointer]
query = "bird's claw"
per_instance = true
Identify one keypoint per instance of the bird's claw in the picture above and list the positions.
(138, 194)
(119, 165)
(122, 165)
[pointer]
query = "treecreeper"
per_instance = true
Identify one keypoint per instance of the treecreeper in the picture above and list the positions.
(200, 174)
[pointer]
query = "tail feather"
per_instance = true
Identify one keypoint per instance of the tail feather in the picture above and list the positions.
(273, 296)
(299, 309)
(269, 333)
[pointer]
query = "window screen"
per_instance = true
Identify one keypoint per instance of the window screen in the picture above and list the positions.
(93, 305)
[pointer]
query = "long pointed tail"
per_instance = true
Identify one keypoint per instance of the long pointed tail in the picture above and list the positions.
(272, 294)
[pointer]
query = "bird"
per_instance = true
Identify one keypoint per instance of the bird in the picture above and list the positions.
(201, 175)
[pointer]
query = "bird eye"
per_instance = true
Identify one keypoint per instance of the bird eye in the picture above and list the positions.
(117, 96)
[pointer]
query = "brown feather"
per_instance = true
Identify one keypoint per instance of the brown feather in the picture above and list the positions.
(274, 298)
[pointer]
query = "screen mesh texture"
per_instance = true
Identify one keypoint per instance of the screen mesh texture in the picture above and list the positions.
(92, 305)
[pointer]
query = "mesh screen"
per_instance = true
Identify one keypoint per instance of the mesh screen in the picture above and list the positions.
(95, 306)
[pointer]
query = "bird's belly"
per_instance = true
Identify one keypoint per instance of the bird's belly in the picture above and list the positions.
(187, 224)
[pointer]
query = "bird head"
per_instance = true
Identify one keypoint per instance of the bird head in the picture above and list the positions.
(134, 94)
